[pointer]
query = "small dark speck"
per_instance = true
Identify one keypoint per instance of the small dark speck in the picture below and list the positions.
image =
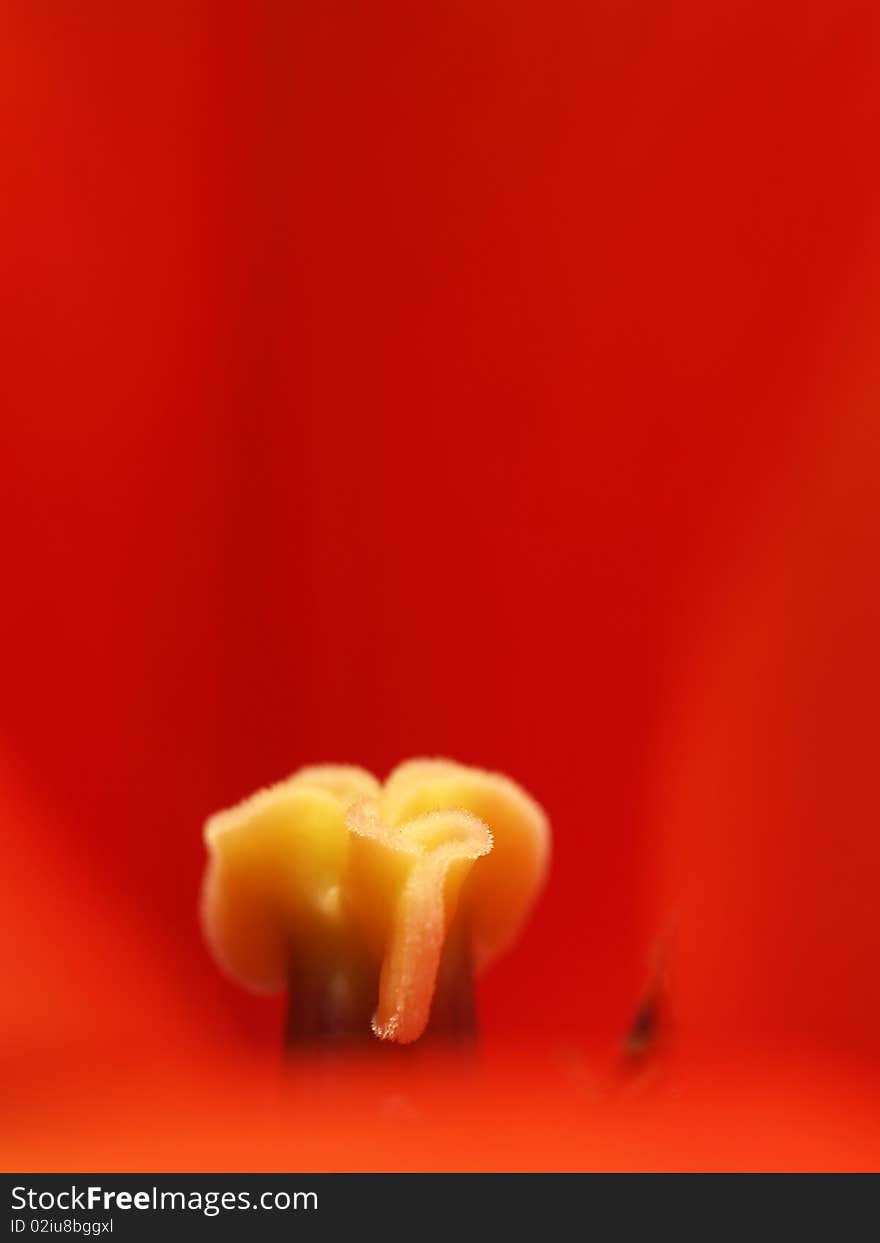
(643, 1031)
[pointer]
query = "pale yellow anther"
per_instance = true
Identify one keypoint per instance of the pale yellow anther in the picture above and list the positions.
(500, 892)
(405, 886)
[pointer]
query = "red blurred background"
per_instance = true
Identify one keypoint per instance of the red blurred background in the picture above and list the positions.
(477, 379)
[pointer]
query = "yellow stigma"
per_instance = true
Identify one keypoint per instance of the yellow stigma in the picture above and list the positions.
(330, 867)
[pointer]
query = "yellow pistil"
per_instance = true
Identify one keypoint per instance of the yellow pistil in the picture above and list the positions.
(341, 889)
